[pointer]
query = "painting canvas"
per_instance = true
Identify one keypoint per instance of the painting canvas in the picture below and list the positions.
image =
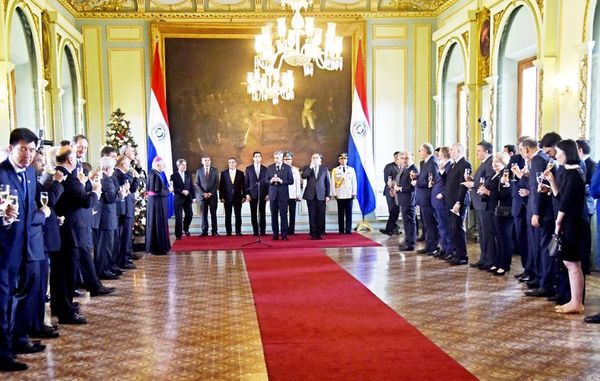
(211, 113)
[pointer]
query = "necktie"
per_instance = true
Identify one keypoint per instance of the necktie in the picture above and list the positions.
(344, 169)
(232, 176)
(182, 174)
(23, 179)
(206, 170)
(278, 168)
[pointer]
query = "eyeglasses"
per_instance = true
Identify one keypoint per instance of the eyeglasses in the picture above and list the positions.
(22, 149)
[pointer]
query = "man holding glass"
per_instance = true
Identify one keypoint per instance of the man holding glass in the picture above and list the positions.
(279, 177)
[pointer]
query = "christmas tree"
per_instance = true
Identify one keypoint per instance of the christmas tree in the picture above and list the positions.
(118, 135)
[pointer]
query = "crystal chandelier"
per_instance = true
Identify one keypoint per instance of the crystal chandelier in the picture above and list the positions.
(298, 46)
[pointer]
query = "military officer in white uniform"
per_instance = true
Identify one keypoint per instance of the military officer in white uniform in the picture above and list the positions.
(295, 191)
(344, 190)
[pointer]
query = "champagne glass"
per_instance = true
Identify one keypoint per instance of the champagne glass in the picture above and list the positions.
(44, 198)
(481, 181)
(4, 191)
(13, 199)
(539, 176)
(467, 174)
(79, 171)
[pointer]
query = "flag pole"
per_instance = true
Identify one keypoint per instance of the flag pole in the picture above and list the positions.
(363, 226)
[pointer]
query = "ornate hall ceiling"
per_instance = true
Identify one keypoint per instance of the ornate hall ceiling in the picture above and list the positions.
(249, 8)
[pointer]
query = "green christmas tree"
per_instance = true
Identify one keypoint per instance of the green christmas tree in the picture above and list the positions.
(118, 135)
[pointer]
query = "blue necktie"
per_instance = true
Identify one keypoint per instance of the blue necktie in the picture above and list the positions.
(23, 182)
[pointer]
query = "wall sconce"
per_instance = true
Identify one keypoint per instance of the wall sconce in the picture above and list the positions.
(561, 87)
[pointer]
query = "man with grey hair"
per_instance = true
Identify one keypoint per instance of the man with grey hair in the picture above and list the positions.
(279, 177)
(183, 188)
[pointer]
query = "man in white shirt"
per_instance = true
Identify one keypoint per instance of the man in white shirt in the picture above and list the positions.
(295, 191)
(344, 190)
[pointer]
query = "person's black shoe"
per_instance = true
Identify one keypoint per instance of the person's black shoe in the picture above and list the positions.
(404, 247)
(240, 234)
(177, 238)
(552, 298)
(319, 237)
(117, 271)
(539, 292)
(520, 275)
(108, 275)
(440, 254)
(458, 261)
(228, 234)
(28, 348)
(448, 257)
(101, 291)
(422, 251)
(77, 294)
(74, 320)
(11, 365)
(485, 267)
(204, 234)
(421, 238)
(47, 332)
(475, 264)
(215, 233)
(187, 233)
(129, 266)
(284, 238)
(135, 257)
(435, 252)
(275, 238)
(383, 231)
(532, 284)
(524, 278)
(594, 319)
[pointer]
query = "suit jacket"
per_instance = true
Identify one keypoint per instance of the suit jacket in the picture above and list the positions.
(126, 208)
(518, 203)
(406, 195)
(455, 192)
(16, 239)
(439, 185)
(180, 185)
(590, 168)
(232, 192)
(110, 199)
(208, 184)
(389, 171)
(485, 171)
(280, 191)
(429, 168)
(317, 187)
(539, 203)
(51, 226)
(75, 205)
(252, 183)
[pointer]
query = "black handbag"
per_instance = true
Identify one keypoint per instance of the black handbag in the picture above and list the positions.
(555, 245)
(503, 211)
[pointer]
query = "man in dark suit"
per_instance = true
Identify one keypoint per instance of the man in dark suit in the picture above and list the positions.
(484, 213)
(15, 234)
(207, 181)
(439, 205)
(125, 175)
(185, 195)
(405, 199)
(590, 167)
(232, 191)
(389, 174)
(279, 176)
(316, 193)
(256, 193)
(424, 183)
(541, 217)
(518, 187)
(458, 200)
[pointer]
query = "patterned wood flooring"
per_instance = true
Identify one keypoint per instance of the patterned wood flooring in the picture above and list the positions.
(191, 317)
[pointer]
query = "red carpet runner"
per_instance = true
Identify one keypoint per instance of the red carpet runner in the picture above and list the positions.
(293, 242)
(319, 323)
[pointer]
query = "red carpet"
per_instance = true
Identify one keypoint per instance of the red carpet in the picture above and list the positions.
(319, 323)
(293, 242)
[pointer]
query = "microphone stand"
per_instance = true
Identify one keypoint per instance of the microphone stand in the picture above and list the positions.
(258, 240)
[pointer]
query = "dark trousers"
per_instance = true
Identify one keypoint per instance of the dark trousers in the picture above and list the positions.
(125, 240)
(104, 251)
(432, 237)
(182, 207)
(8, 287)
(279, 211)
(458, 232)
(392, 221)
(209, 204)
(89, 273)
(28, 301)
(258, 207)
(441, 214)
(547, 264)
(62, 281)
(502, 234)
(237, 210)
(485, 227)
(344, 215)
(292, 215)
(520, 227)
(316, 217)
(409, 220)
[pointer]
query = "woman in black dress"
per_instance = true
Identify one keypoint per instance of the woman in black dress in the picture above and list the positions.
(157, 228)
(571, 220)
(497, 192)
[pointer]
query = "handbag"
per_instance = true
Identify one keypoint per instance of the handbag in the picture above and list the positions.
(555, 245)
(503, 211)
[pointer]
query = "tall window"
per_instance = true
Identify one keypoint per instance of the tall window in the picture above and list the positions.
(461, 112)
(527, 98)
(69, 99)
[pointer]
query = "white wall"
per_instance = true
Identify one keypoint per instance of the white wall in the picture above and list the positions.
(454, 73)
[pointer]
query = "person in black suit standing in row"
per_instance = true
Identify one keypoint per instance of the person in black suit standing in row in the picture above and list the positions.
(185, 195)
(458, 200)
(207, 180)
(232, 191)
(256, 193)
(424, 183)
(316, 194)
(126, 175)
(279, 176)
(405, 199)
(389, 174)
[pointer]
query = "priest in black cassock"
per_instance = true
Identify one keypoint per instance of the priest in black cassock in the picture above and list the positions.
(157, 229)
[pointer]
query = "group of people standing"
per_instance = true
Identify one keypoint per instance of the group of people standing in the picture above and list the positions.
(522, 201)
(62, 223)
(281, 184)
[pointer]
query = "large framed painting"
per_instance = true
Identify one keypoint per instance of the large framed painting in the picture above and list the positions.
(211, 113)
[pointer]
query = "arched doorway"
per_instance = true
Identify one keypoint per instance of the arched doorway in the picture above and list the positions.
(517, 96)
(22, 55)
(595, 86)
(69, 94)
(454, 107)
